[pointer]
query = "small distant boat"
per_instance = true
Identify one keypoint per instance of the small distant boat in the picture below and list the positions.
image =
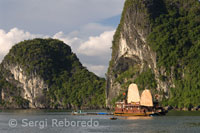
(79, 112)
(113, 118)
(104, 113)
(153, 115)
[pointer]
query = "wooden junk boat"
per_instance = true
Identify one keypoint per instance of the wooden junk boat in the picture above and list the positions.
(135, 105)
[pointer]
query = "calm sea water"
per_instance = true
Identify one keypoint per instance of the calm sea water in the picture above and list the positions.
(34, 121)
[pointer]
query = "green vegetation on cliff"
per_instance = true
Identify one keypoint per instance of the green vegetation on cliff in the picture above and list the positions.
(69, 83)
(176, 40)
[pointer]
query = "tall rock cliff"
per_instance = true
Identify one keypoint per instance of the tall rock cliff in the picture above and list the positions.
(45, 73)
(145, 45)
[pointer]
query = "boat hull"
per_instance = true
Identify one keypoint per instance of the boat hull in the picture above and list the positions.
(133, 114)
(124, 109)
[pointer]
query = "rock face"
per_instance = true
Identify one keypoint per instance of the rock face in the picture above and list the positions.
(44, 73)
(32, 85)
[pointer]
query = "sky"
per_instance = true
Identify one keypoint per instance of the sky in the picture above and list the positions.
(87, 26)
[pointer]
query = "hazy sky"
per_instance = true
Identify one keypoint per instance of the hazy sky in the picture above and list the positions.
(86, 25)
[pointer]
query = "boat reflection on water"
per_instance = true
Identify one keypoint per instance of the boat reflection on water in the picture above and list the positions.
(136, 118)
